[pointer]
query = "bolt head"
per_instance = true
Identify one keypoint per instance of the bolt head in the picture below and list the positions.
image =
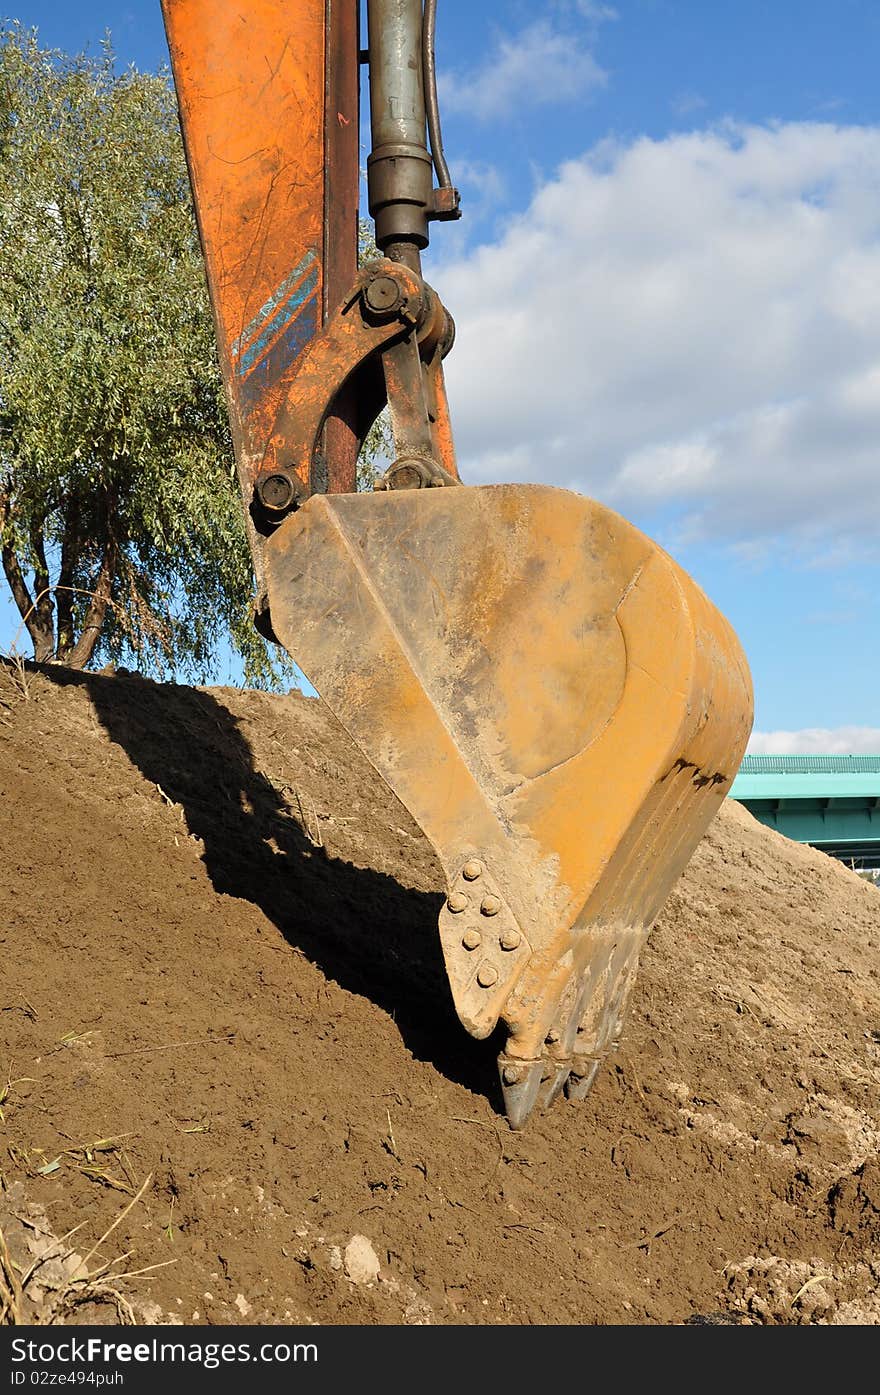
(277, 492)
(472, 870)
(510, 1075)
(488, 976)
(491, 905)
(404, 476)
(472, 939)
(383, 293)
(511, 940)
(458, 902)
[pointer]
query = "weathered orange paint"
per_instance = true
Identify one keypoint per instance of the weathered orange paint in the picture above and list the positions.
(333, 356)
(441, 423)
(252, 82)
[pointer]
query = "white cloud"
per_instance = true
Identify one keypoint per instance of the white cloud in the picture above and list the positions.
(687, 102)
(591, 10)
(817, 741)
(539, 66)
(597, 13)
(483, 188)
(692, 322)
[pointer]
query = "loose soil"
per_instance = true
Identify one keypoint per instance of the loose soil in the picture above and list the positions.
(221, 978)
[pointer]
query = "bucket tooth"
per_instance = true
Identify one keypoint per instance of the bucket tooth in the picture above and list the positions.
(521, 1084)
(553, 1084)
(580, 1081)
(559, 707)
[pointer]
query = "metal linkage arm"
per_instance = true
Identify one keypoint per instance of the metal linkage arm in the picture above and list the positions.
(390, 317)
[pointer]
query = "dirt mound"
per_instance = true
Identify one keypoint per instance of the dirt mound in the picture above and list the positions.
(221, 973)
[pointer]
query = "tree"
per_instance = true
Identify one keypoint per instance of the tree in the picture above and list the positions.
(121, 527)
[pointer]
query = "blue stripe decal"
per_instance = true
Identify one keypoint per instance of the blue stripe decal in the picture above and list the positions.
(285, 314)
(283, 353)
(273, 304)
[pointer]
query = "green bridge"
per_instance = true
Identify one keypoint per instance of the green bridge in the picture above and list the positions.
(832, 802)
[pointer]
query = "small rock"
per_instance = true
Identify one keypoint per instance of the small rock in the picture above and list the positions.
(815, 1132)
(335, 1257)
(361, 1261)
(417, 1312)
(242, 1305)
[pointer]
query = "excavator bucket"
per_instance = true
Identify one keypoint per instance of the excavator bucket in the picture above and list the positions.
(562, 711)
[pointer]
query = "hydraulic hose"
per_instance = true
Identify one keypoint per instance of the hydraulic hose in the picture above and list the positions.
(432, 104)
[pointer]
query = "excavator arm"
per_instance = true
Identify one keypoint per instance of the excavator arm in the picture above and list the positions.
(555, 701)
(311, 347)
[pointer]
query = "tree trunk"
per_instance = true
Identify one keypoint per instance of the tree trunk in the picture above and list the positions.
(82, 651)
(38, 621)
(43, 602)
(66, 575)
(38, 612)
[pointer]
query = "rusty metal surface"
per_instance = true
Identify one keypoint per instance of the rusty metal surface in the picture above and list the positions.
(268, 97)
(353, 335)
(269, 104)
(388, 315)
(341, 188)
(251, 85)
(553, 698)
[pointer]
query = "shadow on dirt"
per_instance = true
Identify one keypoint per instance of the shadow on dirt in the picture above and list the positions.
(360, 927)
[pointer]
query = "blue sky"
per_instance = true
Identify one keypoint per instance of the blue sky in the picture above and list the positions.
(700, 186)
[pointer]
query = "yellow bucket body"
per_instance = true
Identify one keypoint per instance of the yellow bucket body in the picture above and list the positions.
(560, 708)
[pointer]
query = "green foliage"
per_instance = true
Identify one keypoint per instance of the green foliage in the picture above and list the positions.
(121, 523)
